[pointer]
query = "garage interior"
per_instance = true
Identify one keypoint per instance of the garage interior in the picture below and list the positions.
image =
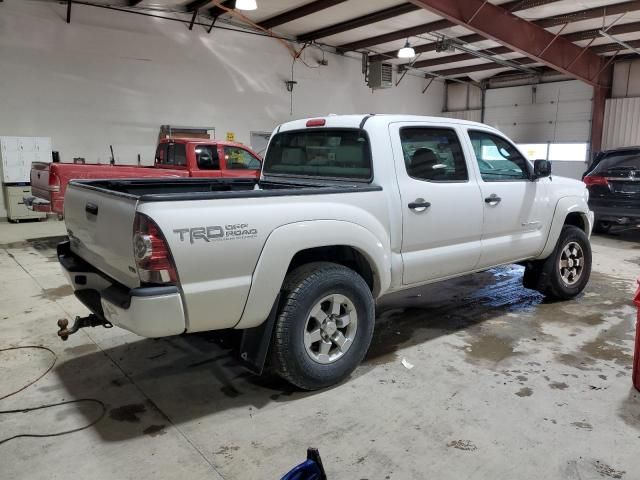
(475, 377)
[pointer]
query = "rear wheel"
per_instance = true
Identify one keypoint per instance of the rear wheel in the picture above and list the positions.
(565, 273)
(324, 327)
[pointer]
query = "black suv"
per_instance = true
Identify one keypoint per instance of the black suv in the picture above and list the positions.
(613, 180)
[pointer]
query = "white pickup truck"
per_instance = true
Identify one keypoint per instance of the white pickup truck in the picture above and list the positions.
(347, 209)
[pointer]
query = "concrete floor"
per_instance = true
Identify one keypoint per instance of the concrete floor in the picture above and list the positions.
(504, 386)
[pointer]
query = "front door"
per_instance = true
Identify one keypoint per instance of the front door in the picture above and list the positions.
(239, 162)
(516, 209)
(441, 202)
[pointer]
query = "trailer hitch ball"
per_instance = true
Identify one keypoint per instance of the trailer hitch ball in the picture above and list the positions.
(80, 322)
(63, 332)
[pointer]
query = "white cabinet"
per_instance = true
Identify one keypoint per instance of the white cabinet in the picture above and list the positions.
(14, 201)
(18, 153)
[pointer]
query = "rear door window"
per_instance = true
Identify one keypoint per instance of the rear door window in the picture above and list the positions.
(433, 154)
(207, 157)
(322, 153)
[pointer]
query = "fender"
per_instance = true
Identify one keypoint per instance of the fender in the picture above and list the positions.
(284, 242)
(564, 207)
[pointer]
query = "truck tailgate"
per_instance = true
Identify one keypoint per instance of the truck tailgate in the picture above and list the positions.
(100, 227)
(40, 180)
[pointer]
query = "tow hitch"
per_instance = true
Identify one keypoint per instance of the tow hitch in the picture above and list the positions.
(80, 322)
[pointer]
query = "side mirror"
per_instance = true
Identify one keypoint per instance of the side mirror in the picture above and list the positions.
(541, 169)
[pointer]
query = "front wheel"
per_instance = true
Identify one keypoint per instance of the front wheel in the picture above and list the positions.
(324, 327)
(565, 273)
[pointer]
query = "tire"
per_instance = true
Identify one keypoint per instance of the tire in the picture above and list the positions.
(602, 227)
(553, 280)
(316, 287)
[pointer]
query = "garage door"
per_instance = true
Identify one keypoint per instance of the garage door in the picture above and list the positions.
(551, 112)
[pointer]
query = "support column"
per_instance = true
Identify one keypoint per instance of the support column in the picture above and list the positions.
(600, 95)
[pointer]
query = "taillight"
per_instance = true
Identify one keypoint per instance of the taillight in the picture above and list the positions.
(151, 251)
(595, 180)
(54, 182)
(316, 122)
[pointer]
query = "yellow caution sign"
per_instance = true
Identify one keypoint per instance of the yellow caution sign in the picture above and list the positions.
(231, 137)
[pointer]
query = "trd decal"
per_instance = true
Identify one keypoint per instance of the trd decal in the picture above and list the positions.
(216, 233)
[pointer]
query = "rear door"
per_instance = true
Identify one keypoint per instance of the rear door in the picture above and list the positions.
(100, 228)
(517, 211)
(441, 202)
(206, 160)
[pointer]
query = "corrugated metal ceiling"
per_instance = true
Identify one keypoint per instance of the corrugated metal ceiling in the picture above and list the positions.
(347, 10)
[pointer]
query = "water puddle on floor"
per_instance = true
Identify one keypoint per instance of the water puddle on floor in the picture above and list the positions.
(496, 317)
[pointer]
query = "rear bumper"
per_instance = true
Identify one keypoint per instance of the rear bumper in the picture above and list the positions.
(146, 311)
(37, 204)
(617, 214)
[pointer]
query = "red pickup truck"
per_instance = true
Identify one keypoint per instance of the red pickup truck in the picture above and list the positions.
(175, 157)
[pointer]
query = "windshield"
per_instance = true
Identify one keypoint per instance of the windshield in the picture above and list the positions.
(328, 153)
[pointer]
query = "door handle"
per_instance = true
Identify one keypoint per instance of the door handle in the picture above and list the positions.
(419, 205)
(91, 208)
(492, 199)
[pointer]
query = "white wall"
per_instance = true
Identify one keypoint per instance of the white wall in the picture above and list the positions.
(626, 79)
(622, 111)
(114, 78)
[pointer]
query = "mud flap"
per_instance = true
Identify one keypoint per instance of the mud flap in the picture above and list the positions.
(255, 342)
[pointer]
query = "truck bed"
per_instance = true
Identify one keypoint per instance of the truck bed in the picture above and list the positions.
(154, 190)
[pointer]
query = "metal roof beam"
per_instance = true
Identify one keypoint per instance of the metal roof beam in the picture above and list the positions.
(299, 12)
(548, 22)
(495, 23)
(358, 22)
(599, 49)
(450, 72)
(515, 5)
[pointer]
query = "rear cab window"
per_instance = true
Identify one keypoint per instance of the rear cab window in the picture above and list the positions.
(171, 155)
(619, 162)
(335, 153)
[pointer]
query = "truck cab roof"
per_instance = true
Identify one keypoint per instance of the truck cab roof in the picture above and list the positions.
(209, 141)
(360, 120)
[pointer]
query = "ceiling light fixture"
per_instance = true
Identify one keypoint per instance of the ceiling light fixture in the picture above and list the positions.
(246, 5)
(407, 51)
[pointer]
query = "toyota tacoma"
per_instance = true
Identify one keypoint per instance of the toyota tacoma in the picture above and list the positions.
(347, 208)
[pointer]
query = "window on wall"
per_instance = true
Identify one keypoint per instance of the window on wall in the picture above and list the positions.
(534, 151)
(568, 152)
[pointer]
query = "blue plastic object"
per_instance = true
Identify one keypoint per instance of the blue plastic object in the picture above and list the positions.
(310, 469)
